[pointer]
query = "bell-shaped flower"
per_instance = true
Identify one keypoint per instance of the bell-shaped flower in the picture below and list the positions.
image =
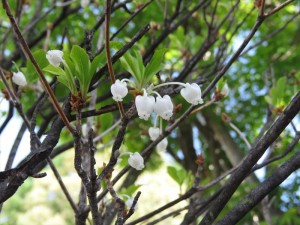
(144, 105)
(55, 57)
(164, 107)
(225, 90)
(84, 3)
(119, 90)
(153, 133)
(136, 161)
(162, 145)
(192, 93)
(19, 79)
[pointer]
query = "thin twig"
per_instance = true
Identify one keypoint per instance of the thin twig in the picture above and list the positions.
(279, 8)
(262, 8)
(234, 127)
(107, 51)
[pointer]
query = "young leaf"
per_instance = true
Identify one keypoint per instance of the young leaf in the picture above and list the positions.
(31, 74)
(62, 77)
(57, 71)
(172, 171)
(97, 62)
(131, 64)
(154, 65)
(82, 64)
(116, 45)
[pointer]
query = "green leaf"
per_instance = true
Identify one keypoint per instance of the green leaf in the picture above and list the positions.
(280, 85)
(62, 76)
(82, 64)
(154, 66)
(134, 65)
(277, 92)
(29, 71)
(58, 71)
(97, 62)
(173, 173)
(130, 190)
(221, 83)
(116, 45)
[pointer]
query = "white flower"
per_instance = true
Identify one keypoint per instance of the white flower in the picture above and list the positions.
(119, 90)
(153, 133)
(84, 3)
(19, 79)
(192, 93)
(225, 90)
(164, 107)
(144, 105)
(162, 146)
(129, 203)
(55, 57)
(136, 161)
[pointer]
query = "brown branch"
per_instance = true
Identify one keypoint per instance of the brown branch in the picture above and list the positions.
(278, 8)
(262, 8)
(107, 48)
(254, 155)
(256, 195)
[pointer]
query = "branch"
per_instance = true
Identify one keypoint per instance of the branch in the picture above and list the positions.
(254, 155)
(256, 195)
(107, 48)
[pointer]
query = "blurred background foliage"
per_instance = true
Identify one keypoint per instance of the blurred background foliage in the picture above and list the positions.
(272, 54)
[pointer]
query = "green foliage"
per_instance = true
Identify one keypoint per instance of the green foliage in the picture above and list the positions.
(130, 190)
(180, 176)
(133, 63)
(221, 83)
(30, 71)
(277, 92)
(76, 65)
(82, 68)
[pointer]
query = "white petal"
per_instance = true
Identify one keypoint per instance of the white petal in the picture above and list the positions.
(19, 79)
(162, 146)
(192, 93)
(153, 133)
(225, 90)
(164, 107)
(136, 161)
(144, 105)
(119, 90)
(55, 57)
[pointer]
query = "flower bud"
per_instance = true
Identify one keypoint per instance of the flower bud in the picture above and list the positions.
(119, 90)
(136, 161)
(162, 146)
(55, 57)
(153, 133)
(19, 79)
(192, 93)
(225, 90)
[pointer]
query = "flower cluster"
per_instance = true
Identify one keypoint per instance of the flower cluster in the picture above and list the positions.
(162, 106)
(146, 104)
